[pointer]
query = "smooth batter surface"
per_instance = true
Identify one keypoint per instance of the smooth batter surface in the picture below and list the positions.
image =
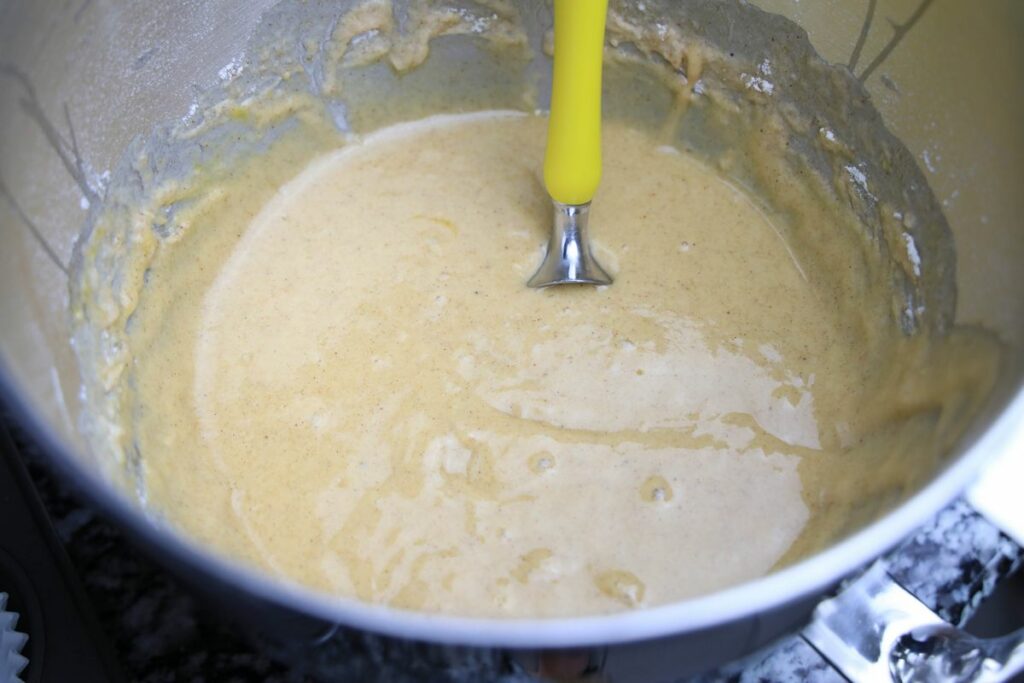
(369, 400)
(344, 381)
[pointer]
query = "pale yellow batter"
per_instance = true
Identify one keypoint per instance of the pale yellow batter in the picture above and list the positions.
(330, 367)
(368, 399)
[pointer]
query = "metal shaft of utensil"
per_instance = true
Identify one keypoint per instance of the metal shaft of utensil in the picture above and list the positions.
(569, 259)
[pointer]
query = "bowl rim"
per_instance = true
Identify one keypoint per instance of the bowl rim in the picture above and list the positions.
(815, 574)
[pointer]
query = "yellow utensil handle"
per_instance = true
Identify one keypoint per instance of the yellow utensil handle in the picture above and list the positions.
(572, 165)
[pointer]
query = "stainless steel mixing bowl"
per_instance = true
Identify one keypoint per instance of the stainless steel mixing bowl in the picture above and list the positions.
(80, 78)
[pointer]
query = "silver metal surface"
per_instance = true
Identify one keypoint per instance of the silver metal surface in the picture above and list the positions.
(950, 655)
(569, 259)
(858, 629)
(875, 630)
